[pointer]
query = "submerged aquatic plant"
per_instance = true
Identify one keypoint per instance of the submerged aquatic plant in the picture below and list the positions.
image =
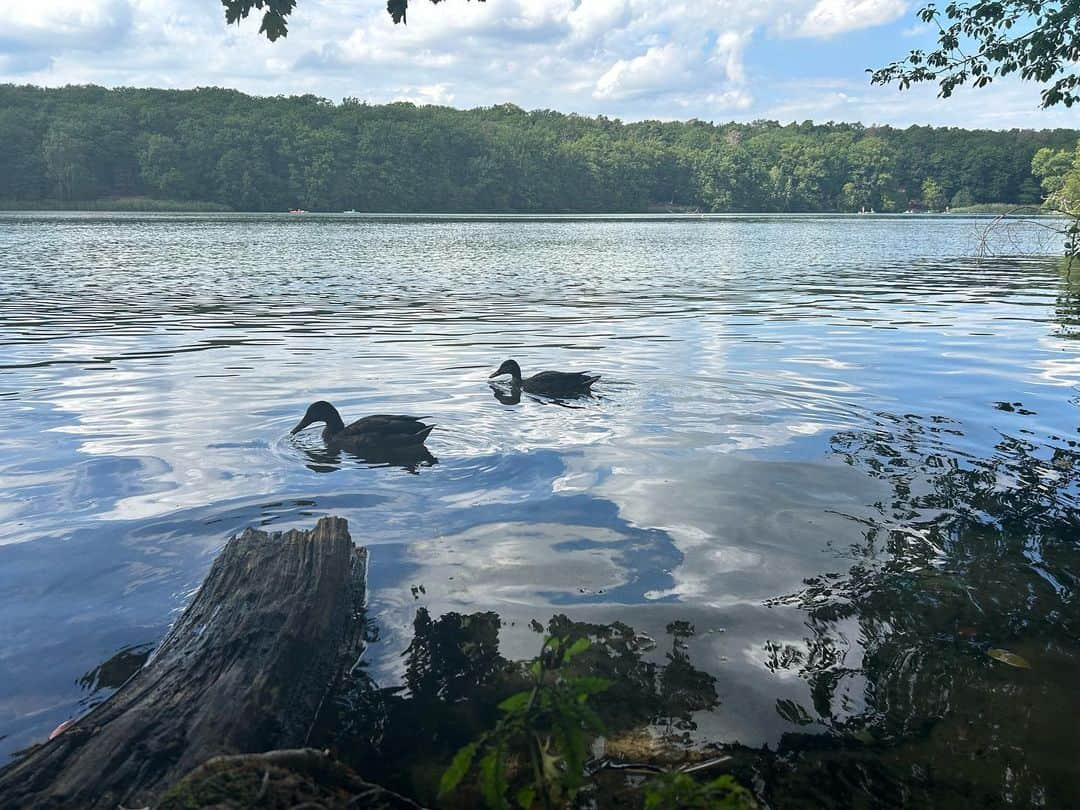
(546, 726)
(456, 679)
(681, 790)
(538, 747)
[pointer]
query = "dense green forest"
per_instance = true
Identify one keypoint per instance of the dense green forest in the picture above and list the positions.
(219, 146)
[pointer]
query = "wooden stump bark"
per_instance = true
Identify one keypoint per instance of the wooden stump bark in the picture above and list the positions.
(244, 670)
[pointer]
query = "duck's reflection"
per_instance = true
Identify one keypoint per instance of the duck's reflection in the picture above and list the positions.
(411, 458)
(511, 395)
(507, 395)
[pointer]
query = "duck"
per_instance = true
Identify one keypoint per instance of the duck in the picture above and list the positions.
(549, 383)
(376, 431)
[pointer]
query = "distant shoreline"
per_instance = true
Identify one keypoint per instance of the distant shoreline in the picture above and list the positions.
(117, 205)
(1014, 209)
(151, 206)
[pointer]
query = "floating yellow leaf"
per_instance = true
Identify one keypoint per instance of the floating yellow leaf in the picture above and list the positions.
(1010, 658)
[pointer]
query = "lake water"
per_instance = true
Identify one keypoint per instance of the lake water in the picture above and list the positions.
(842, 448)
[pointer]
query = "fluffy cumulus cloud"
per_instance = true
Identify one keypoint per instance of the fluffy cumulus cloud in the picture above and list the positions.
(633, 59)
(35, 30)
(829, 17)
(658, 69)
(66, 23)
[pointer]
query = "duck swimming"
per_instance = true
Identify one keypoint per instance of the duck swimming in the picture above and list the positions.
(549, 383)
(377, 431)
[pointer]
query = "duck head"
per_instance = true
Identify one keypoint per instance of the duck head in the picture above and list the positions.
(509, 367)
(320, 411)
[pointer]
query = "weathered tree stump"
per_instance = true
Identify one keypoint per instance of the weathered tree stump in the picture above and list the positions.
(244, 670)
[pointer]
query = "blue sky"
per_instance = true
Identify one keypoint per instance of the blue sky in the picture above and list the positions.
(715, 60)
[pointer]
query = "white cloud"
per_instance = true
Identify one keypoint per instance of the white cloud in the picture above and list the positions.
(595, 18)
(729, 51)
(729, 100)
(439, 93)
(830, 17)
(34, 30)
(657, 69)
(73, 22)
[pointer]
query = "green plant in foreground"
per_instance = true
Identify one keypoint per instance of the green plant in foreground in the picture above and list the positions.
(545, 728)
(681, 790)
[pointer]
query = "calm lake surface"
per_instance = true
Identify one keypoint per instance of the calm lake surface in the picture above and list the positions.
(841, 448)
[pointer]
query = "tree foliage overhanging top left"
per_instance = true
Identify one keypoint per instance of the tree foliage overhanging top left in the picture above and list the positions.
(275, 13)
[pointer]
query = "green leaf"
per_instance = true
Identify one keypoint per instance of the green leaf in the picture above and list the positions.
(453, 775)
(572, 747)
(591, 719)
(589, 684)
(1010, 658)
(576, 648)
(515, 702)
(525, 797)
(397, 9)
(491, 783)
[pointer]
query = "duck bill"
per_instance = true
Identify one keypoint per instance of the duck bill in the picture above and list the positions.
(499, 373)
(300, 426)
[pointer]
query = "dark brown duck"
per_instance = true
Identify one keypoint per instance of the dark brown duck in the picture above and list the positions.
(376, 431)
(549, 383)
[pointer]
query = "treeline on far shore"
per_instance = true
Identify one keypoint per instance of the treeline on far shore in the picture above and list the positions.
(214, 149)
(114, 204)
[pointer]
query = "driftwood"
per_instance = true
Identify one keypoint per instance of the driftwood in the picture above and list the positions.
(244, 670)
